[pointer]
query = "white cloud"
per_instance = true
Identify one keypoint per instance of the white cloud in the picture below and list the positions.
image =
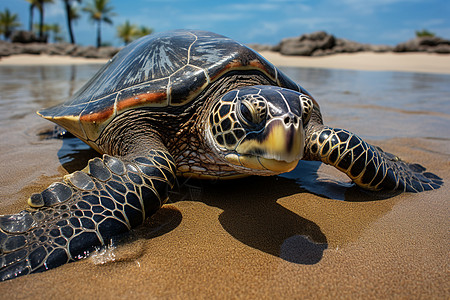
(55, 10)
(370, 6)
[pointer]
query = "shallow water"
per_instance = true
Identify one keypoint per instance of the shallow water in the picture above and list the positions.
(380, 105)
(270, 233)
(375, 105)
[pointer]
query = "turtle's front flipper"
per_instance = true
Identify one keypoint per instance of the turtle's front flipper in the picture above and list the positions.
(83, 212)
(368, 166)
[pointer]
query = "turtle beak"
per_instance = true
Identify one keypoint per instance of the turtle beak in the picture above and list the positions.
(278, 148)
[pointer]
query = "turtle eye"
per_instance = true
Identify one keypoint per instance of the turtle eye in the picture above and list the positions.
(245, 112)
(252, 112)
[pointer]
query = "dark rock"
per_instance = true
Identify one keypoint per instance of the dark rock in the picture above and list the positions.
(7, 48)
(442, 49)
(87, 52)
(318, 44)
(24, 37)
(61, 49)
(34, 48)
(261, 47)
(380, 48)
(306, 44)
(424, 44)
(294, 46)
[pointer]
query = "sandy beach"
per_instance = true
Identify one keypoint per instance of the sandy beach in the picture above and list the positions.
(37, 60)
(403, 62)
(259, 237)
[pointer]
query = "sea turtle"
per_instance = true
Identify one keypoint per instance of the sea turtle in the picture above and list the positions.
(180, 103)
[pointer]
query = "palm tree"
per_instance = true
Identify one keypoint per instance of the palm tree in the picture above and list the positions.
(8, 22)
(52, 30)
(40, 6)
(55, 29)
(144, 30)
(424, 33)
(99, 11)
(33, 5)
(70, 13)
(127, 32)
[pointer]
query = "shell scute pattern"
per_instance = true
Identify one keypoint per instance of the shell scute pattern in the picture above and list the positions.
(187, 85)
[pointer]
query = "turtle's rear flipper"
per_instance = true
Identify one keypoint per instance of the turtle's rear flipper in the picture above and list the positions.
(368, 166)
(83, 212)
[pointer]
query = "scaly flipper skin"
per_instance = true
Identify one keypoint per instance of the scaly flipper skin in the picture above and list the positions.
(368, 166)
(84, 212)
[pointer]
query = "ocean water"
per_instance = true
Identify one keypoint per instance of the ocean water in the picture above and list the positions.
(376, 105)
(380, 105)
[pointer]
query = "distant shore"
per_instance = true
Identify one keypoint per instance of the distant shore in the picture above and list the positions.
(387, 61)
(45, 59)
(367, 61)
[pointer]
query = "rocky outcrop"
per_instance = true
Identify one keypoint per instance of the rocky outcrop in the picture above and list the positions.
(261, 47)
(7, 49)
(312, 44)
(26, 37)
(321, 43)
(431, 44)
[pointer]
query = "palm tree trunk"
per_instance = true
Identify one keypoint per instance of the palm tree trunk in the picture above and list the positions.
(99, 38)
(69, 22)
(41, 21)
(31, 17)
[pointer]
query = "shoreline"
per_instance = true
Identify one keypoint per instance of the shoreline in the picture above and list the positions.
(364, 61)
(45, 59)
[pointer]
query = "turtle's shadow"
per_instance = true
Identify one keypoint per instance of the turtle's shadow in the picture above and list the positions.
(252, 215)
(74, 154)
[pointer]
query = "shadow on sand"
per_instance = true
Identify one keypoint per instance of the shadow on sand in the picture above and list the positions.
(251, 213)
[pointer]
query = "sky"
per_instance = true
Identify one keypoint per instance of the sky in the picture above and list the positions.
(261, 21)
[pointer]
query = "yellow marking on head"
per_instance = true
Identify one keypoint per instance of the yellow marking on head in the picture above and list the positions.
(279, 152)
(275, 145)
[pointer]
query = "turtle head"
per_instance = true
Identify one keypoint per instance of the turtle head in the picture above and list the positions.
(260, 129)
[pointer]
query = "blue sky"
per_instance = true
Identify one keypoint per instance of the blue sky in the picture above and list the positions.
(264, 21)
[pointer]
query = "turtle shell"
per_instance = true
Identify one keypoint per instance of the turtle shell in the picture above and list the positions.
(159, 70)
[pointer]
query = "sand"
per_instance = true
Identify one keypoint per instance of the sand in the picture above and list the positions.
(36, 60)
(260, 237)
(406, 62)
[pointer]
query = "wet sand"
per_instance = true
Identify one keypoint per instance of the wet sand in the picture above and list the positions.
(260, 237)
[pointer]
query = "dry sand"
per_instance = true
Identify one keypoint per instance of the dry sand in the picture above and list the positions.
(33, 60)
(246, 238)
(407, 62)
